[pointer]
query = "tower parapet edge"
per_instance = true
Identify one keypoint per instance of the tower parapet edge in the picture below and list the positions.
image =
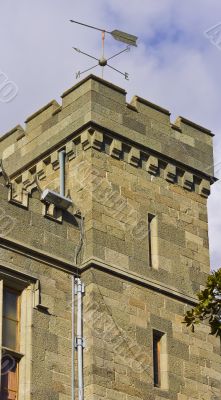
(96, 101)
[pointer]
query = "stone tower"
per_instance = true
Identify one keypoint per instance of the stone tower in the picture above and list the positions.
(136, 234)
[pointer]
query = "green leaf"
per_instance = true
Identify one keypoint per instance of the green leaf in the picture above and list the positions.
(209, 306)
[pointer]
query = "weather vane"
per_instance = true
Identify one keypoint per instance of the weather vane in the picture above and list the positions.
(102, 61)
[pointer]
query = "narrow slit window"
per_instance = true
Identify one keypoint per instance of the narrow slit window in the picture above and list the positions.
(157, 358)
(151, 234)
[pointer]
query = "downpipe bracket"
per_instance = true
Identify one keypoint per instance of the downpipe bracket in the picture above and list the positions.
(80, 342)
(79, 288)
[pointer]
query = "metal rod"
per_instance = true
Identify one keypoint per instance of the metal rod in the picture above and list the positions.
(103, 39)
(78, 74)
(79, 338)
(120, 52)
(116, 34)
(117, 70)
(73, 341)
(89, 26)
(80, 359)
(62, 172)
(86, 54)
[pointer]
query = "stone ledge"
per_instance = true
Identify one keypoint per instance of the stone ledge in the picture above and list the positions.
(97, 263)
(95, 78)
(17, 274)
(184, 121)
(64, 265)
(147, 103)
(37, 254)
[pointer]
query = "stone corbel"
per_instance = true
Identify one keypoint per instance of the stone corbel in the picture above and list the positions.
(16, 190)
(152, 165)
(86, 140)
(40, 170)
(49, 210)
(18, 195)
(170, 173)
(97, 140)
(134, 157)
(26, 179)
(70, 150)
(115, 148)
(204, 188)
(188, 180)
(55, 160)
(25, 198)
(52, 212)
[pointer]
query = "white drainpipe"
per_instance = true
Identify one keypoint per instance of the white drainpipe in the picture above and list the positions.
(73, 341)
(79, 290)
(62, 172)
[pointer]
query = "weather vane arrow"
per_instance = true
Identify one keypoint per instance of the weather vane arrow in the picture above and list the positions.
(124, 37)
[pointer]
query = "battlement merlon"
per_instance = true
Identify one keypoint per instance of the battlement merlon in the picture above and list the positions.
(42, 115)
(94, 101)
(10, 138)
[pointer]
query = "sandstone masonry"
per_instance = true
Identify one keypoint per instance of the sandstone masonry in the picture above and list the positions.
(126, 165)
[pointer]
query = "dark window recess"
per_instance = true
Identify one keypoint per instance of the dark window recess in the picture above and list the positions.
(151, 218)
(157, 343)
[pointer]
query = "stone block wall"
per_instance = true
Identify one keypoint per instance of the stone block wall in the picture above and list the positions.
(40, 249)
(125, 164)
(120, 317)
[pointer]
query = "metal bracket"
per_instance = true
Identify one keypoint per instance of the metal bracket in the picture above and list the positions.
(79, 342)
(79, 287)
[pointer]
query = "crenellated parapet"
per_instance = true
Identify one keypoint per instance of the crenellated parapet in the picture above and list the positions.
(95, 115)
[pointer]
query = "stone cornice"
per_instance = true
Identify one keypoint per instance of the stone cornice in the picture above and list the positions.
(12, 271)
(95, 263)
(100, 128)
(37, 254)
(141, 157)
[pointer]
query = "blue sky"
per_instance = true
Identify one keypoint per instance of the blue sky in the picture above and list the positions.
(175, 64)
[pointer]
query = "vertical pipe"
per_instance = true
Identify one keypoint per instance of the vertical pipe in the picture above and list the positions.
(73, 340)
(80, 290)
(103, 38)
(62, 172)
(1, 319)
